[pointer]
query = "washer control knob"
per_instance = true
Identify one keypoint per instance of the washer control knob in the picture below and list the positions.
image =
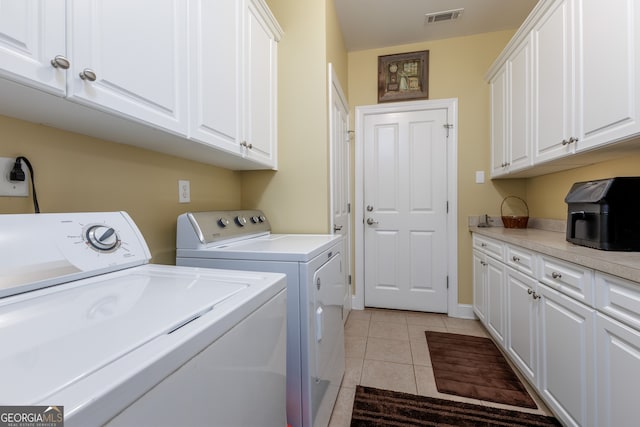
(223, 222)
(102, 238)
(241, 221)
(262, 218)
(255, 219)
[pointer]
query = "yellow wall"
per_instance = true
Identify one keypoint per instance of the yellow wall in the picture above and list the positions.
(76, 173)
(545, 194)
(336, 51)
(296, 198)
(456, 70)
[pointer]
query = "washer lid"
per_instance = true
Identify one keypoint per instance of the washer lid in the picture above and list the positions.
(274, 247)
(57, 336)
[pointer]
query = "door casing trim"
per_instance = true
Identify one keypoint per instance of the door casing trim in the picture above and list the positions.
(451, 105)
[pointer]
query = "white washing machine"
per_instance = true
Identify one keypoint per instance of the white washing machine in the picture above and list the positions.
(88, 326)
(316, 287)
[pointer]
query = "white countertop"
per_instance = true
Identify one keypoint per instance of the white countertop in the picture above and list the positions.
(622, 264)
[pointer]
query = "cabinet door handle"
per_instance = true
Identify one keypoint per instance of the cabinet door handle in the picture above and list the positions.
(60, 61)
(515, 259)
(529, 291)
(483, 263)
(244, 144)
(565, 142)
(483, 245)
(535, 296)
(88, 74)
(556, 275)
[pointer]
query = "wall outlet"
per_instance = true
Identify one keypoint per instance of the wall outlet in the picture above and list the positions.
(184, 191)
(13, 188)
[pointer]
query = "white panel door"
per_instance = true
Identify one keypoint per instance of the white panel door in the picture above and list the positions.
(32, 33)
(340, 162)
(405, 194)
(139, 59)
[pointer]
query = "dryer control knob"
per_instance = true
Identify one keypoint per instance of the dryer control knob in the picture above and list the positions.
(262, 218)
(223, 222)
(102, 238)
(255, 219)
(241, 221)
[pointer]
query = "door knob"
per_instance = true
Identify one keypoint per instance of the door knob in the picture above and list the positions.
(371, 221)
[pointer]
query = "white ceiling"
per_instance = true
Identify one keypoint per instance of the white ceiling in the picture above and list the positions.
(368, 24)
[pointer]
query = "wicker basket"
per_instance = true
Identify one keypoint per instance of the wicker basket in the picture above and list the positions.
(514, 221)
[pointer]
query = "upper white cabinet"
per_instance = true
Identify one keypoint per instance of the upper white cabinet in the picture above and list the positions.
(609, 71)
(32, 35)
(131, 58)
(233, 103)
(554, 74)
(584, 95)
(192, 79)
(262, 34)
(511, 131)
(499, 122)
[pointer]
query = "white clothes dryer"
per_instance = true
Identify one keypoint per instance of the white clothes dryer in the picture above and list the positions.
(88, 325)
(316, 286)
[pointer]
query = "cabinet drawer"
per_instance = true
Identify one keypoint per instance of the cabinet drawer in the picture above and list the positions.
(618, 298)
(489, 246)
(571, 279)
(521, 259)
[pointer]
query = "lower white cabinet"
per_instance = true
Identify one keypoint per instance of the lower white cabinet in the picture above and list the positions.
(580, 351)
(489, 285)
(618, 371)
(566, 349)
(496, 309)
(479, 285)
(522, 326)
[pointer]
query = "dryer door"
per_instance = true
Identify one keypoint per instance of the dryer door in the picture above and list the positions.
(327, 346)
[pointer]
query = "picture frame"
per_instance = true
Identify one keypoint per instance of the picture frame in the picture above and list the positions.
(403, 76)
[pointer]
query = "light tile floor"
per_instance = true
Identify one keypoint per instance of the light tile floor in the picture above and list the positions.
(387, 349)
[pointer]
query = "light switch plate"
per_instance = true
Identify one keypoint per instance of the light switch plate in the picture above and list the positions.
(479, 177)
(12, 188)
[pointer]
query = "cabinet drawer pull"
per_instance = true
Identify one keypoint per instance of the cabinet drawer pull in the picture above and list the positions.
(483, 245)
(556, 275)
(529, 291)
(60, 61)
(515, 259)
(88, 74)
(535, 296)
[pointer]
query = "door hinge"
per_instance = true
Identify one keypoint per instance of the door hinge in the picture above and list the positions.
(349, 279)
(447, 282)
(348, 207)
(447, 206)
(448, 126)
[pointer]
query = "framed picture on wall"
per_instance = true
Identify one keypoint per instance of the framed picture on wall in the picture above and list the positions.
(403, 76)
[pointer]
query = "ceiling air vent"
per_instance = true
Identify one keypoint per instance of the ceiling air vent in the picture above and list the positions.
(447, 15)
